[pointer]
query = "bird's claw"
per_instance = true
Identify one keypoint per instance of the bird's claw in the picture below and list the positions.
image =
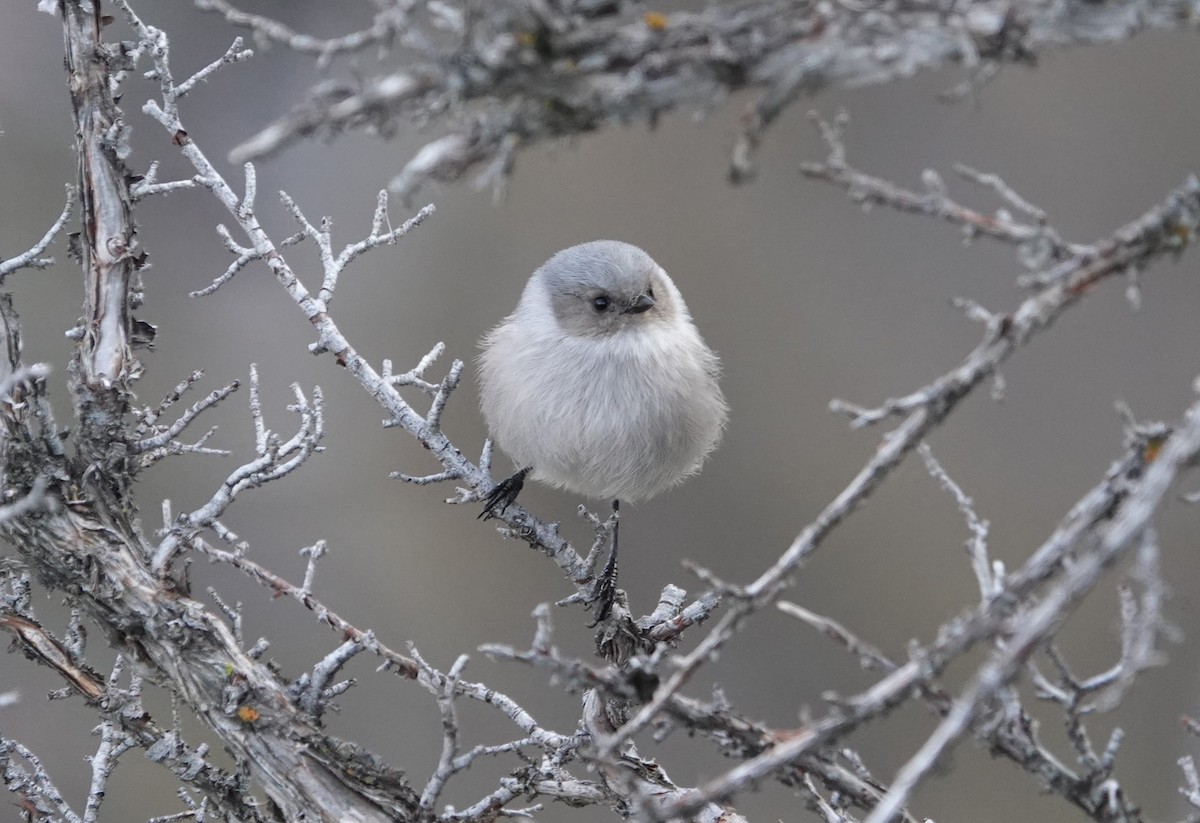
(502, 495)
(604, 592)
(603, 596)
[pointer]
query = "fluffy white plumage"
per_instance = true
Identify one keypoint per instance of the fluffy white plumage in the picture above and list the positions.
(614, 402)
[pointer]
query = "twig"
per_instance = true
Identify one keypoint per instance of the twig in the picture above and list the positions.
(30, 258)
(112, 745)
(33, 785)
(1152, 235)
(446, 763)
(313, 690)
(164, 435)
(868, 656)
(234, 54)
(280, 586)
(1128, 526)
(275, 459)
(935, 202)
(986, 575)
(954, 638)
(388, 24)
(148, 184)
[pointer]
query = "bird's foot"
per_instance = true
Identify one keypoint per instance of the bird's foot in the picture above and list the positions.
(502, 495)
(604, 593)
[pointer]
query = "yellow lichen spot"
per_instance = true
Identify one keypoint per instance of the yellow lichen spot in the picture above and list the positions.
(247, 714)
(527, 39)
(229, 670)
(1181, 233)
(1153, 449)
(655, 20)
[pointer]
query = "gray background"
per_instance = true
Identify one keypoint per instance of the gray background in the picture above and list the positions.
(805, 297)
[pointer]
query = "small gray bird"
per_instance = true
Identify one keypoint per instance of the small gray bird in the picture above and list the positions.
(599, 382)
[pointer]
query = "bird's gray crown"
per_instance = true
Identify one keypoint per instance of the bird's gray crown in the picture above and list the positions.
(605, 286)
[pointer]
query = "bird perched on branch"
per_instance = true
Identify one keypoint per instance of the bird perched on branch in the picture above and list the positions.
(599, 383)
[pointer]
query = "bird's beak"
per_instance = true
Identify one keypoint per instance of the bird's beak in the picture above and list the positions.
(641, 303)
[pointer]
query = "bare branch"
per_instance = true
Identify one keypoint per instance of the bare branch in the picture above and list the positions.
(1128, 526)
(548, 777)
(108, 245)
(164, 434)
(148, 184)
(389, 23)
(32, 784)
(276, 459)
(244, 258)
(868, 656)
(30, 258)
(415, 376)
(330, 339)
(123, 707)
(1192, 790)
(232, 613)
(39, 644)
(988, 577)
(1038, 241)
(313, 691)
(112, 745)
(770, 753)
(234, 54)
(446, 763)
(326, 615)
(1156, 233)
(244, 700)
(374, 240)
(507, 76)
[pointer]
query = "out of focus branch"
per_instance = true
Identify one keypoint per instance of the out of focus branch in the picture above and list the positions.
(1162, 230)
(533, 71)
(1129, 525)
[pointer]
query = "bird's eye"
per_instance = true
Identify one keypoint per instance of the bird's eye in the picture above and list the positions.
(600, 302)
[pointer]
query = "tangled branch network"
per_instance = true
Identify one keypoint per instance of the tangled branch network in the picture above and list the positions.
(76, 533)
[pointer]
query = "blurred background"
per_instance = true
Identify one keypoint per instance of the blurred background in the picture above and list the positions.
(804, 295)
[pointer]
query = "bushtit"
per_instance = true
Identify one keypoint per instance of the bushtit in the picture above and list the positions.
(599, 382)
